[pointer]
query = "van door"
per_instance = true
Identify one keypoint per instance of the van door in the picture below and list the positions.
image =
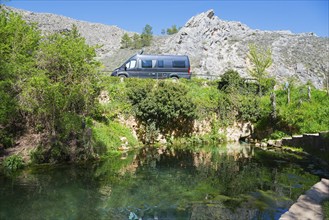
(148, 69)
(160, 69)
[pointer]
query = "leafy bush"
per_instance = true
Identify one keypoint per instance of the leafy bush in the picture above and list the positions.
(231, 82)
(166, 106)
(18, 45)
(278, 134)
(13, 162)
(249, 108)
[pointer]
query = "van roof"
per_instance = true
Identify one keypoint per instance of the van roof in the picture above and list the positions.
(150, 56)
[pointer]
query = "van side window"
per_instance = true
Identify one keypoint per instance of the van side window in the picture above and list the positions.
(160, 64)
(146, 63)
(131, 64)
(178, 64)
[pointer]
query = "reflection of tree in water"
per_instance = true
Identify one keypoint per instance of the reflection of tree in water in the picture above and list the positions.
(170, 157)
(166, 182)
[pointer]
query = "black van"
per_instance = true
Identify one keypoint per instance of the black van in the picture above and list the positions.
(155, 66)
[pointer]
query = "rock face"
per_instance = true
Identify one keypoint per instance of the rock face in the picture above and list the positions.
(213, 45)
(108, 37)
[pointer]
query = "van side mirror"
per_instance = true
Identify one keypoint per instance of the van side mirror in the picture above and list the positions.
(125, 68)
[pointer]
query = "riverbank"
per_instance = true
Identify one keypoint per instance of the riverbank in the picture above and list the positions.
(308, 206)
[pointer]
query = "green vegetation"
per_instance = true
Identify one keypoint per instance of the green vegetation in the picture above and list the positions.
(107, 137)
(172, 30)
(51, 85)
(325, 207)
(126, 41)
(18, 46)
(138, 41)
(300, 115)
(147, 36)
(261, 59)
(165, 108)
(48, 84)
(13, 163)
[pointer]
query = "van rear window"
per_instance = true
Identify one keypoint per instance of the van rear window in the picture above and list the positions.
(178, 64)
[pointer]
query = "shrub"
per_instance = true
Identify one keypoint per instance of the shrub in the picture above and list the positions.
(38, 156)
(278, 134)
(13, 163)
(230, 82)
(166, 107)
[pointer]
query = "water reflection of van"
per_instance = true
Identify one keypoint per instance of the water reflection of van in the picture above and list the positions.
(155, 66)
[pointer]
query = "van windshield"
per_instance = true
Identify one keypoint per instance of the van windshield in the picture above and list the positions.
(131, 64)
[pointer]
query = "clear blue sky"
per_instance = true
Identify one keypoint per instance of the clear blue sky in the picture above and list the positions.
(296, 15)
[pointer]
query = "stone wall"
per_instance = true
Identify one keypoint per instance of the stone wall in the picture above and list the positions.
(309, 142)
(308, 206)
(319, 141)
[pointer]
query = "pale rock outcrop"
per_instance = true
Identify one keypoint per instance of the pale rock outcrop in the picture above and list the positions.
(213, 45)
(237, 131)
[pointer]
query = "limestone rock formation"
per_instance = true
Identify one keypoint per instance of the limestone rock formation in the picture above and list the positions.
(213, 45)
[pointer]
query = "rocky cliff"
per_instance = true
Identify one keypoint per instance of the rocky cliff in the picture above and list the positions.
(108, 37)
(213, 45)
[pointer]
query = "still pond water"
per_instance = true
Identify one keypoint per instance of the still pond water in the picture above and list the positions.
(222, 182)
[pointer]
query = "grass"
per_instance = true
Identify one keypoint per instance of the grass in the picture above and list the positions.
(293, 149)
(107, 136)
(325, 208)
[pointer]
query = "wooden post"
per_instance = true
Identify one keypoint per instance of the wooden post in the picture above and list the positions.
(309, 93)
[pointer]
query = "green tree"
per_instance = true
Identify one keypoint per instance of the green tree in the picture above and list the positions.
(18, 46)
(136, 41)
(147, 36)
(261, 59)
(65, 85)
(172, 30)
(126, 41)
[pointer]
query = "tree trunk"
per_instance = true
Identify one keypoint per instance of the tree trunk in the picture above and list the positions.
(273, 103)
(260, 89)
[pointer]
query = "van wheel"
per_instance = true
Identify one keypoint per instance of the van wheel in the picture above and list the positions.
(122, 77)
(174, 78)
